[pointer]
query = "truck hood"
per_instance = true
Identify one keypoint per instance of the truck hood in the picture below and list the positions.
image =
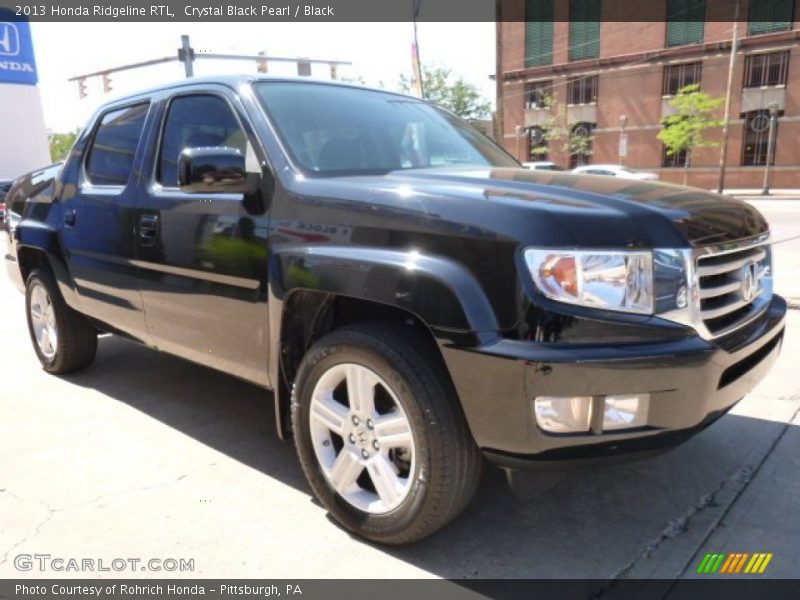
(593, 209)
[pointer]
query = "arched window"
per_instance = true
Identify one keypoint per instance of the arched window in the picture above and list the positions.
(580, 144)
(537, 144)
(756, 138)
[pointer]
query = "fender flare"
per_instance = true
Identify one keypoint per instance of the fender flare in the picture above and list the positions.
(36, 235)
(440, 292)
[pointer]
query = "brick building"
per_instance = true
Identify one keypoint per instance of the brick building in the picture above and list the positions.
(613, 77)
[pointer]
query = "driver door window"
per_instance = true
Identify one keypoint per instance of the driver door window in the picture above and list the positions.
(194, 122)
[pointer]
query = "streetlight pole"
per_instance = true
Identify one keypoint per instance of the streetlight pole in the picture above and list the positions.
(623, 140)
(773, 118)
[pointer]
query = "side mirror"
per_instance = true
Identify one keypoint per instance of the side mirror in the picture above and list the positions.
(217, 169)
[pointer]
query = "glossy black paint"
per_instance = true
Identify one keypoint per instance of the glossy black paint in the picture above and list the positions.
(206, 275)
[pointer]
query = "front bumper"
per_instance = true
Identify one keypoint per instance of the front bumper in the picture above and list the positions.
(691, 382)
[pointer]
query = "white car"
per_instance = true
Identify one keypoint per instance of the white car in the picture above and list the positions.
(614, 171)
(542, 165)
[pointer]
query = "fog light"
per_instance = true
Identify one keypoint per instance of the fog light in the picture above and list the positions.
(563, 414)
(625, 411)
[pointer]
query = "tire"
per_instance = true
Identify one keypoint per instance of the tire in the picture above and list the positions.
(76, 340)
(432, 454)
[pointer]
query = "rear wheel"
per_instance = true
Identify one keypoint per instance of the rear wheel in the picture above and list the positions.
(63, 339)
(380, 433)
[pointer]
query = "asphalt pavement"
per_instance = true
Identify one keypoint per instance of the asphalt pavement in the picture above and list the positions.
(147, 456)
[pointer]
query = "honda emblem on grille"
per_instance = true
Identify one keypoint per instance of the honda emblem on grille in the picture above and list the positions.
(749, 282)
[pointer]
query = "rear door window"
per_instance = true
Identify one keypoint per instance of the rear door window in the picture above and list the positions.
(111, 154)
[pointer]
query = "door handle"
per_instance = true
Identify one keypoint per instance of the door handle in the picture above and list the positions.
(148, 230)
(70, 217)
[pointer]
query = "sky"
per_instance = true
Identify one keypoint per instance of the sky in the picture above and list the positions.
(380, 52)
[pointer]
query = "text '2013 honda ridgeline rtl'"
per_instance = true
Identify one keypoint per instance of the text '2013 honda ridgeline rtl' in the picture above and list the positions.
(413, 297)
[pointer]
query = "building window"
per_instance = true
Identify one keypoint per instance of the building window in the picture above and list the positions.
(761, 70)
(538, 32)
(538, 94)
(677, 77)
(756, 138)
(584, 29)
(767, 16)
(580, 144)
(685, 22)
(673, 160)
(582, 90)
(537, 144)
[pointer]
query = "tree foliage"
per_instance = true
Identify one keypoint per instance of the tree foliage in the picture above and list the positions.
(61, 144)
(694, 114)
(441, 87)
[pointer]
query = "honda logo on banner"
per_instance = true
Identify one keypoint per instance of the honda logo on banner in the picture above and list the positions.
(17, 62)
(9, 39)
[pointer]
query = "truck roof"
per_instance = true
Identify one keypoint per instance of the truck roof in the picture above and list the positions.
(235, 81)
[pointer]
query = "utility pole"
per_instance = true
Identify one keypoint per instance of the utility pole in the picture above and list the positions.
(499, 131)
(417, 64)
(723, 150)
(186, 56)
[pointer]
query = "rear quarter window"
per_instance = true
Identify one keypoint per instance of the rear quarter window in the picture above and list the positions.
(113, 148)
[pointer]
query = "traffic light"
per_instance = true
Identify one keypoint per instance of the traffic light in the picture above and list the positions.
(261, 64)
(82, 92)
(106, 83)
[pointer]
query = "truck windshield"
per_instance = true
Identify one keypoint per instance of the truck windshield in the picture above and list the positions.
(338, 130)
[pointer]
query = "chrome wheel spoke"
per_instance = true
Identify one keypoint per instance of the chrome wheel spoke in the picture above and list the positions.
(361, 390)
(328, 412)
(345, 470)
(385, 479)
(393, 430)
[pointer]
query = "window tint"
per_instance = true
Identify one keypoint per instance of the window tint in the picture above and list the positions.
(111, 154)
(196, 122)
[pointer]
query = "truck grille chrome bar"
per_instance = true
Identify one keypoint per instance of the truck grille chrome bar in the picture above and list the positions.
(732, 284)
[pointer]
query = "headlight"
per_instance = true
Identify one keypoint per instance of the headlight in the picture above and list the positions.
(613, 280)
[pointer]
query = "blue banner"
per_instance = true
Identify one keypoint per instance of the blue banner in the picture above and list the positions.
(17, 62)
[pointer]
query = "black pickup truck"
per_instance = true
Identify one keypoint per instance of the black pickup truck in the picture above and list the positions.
(414, 299)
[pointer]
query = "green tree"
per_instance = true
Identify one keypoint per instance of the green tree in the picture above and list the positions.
(61, 144)
(685, 130)
(441, 87)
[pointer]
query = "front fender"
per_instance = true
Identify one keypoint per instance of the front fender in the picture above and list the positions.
(441, 292)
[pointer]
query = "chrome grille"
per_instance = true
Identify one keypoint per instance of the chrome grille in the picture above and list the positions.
(732, 286)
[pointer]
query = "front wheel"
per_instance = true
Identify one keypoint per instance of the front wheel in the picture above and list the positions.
(63, 339)
(380, 434)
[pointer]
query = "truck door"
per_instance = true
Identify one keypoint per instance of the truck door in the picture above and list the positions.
(203, 257)
(97, 230)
